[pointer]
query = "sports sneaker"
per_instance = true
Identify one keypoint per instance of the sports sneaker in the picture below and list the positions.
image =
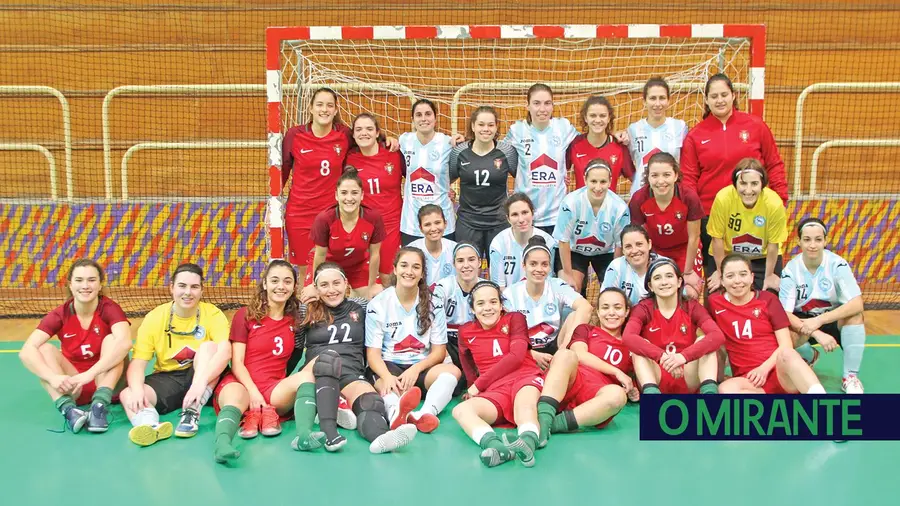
(315, 441)
(333, 445)
(250, 424)
(271, 422)
(146, 435)
(425, 422)
(523, 447)
(394, 439)
(189, 423)
(408, 402)
(97, 420)
(852, 385)
(346, 418)
(75, 419)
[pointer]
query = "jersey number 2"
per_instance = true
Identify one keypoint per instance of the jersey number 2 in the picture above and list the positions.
(333, 329)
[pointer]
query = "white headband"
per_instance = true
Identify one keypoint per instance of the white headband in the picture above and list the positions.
(316, 280)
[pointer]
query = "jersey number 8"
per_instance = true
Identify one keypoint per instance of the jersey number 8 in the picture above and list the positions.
(325, 168)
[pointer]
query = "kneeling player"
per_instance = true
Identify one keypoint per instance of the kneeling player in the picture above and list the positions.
(599, 381)
(825, 307)
(94, 342)
(505, 381)
(758, 339)
(662, 335)
(332, 330)
(190, 341)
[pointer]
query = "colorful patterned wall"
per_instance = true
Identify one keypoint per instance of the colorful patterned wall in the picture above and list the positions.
(139, 243)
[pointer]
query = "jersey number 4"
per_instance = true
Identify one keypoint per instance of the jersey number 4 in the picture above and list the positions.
(334, 330)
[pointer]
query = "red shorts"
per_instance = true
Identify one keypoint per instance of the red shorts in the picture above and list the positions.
(297, 229)
(502, 394)
(587, 384)
(772, 385)
(357, 275)
(87, 391)
(678, 255)
(389, 247)
(265, 388)
(670, 385)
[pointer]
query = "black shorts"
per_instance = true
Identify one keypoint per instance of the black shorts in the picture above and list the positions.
(581, 263)
(758, 266)
(829, 328)
(397, 370)
(453, 352)
(480, 238)
(552, 347)
(170, 388)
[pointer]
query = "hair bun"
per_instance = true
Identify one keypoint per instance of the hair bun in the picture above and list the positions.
(536, 240)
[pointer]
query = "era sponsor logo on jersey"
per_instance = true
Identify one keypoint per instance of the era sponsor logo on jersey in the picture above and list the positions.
(184, 356)
(747, 244)
(389, 167)
(652, 152)
(544, 171)
(589, 244)
(815, 306)
(540, 334)
(744, 135)
(409, 344)
(422, 184)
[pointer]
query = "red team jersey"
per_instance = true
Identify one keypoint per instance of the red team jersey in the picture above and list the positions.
(382, 177)
(749, 329)
(581, 152)
(668, 229)
(604, 346)
(317, 163)
(348, 249)
(650, 334)
(81, 346)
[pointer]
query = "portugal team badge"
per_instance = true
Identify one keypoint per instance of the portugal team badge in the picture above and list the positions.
(745, 136)
(498, 163)
(505, 329)
(353, 316)
(756, 313)
(683, 328)
(612, 159)
(678, 215)
(389, 167)
(97, 330)
(365, 236)
(337, 149)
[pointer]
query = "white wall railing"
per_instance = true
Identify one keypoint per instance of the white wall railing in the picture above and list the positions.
(849, 143)
(67, 131)
(51, 160)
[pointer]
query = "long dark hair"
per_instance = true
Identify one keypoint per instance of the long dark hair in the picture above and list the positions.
(725, 79)
(424, 308)
(259, 304)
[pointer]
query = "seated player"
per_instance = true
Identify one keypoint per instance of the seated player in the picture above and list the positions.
(453, 291)
(381, 171)
(824, 303)
(748, 218)
(504, 380)
(438, 249)
(358, 251)
(589, 226)
(507, 247)
(406, 344)
(262, 341)
(757, 337)
(332, 331)
(94, 336)
(628, 271)
(661, 334)
(599, 381)
(190, 341)
(542, 301)
(671, 213)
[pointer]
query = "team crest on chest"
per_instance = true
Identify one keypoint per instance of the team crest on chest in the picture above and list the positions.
(365, 236)
(745, 136)
(825, 284)
(556, 140)
(683, 328)
(505, 329)
(337, 149)
(498, 163)
(96, 330)
(354, 316)
(550, 309)
(756, 312)
(389, 167)
(678, 215)
(433, 155)
(613, 159)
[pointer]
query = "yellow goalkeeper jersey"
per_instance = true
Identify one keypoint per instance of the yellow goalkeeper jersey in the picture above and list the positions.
(175, 348)
(747, 231)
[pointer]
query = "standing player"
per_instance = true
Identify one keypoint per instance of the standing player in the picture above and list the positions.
(597, 142)
(437, 248)
(94, 338)
(262, 341)
(661, 334)
(507, 248)
(715, 145)
(542, 301)
(332, 332)
(656, 133)
(589, 227)
(406, 343)
(505, 383)
(824, 303)
(350, 235)
(628, 272)
(671, 214)
(758, 339)
(453, 291)
(482, 166)
(599, 381)
(748, 218)
(427, 156)
(190, 341)
(382, 172)
(541, 142)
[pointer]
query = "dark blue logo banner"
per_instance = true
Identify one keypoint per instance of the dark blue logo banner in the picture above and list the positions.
(870, 417)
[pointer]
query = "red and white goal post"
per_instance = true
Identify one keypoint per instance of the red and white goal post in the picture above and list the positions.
(383, 69)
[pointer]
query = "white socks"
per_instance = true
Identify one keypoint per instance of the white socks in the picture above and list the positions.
(816, 389)
(439, 395)
(391, 405)
(853, 341)
(479, 433)
(146, 416)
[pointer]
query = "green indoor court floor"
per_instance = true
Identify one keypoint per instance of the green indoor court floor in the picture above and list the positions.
(608, 467)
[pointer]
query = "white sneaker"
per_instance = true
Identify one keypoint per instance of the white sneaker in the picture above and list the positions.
(852, 385)
(394, 439)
